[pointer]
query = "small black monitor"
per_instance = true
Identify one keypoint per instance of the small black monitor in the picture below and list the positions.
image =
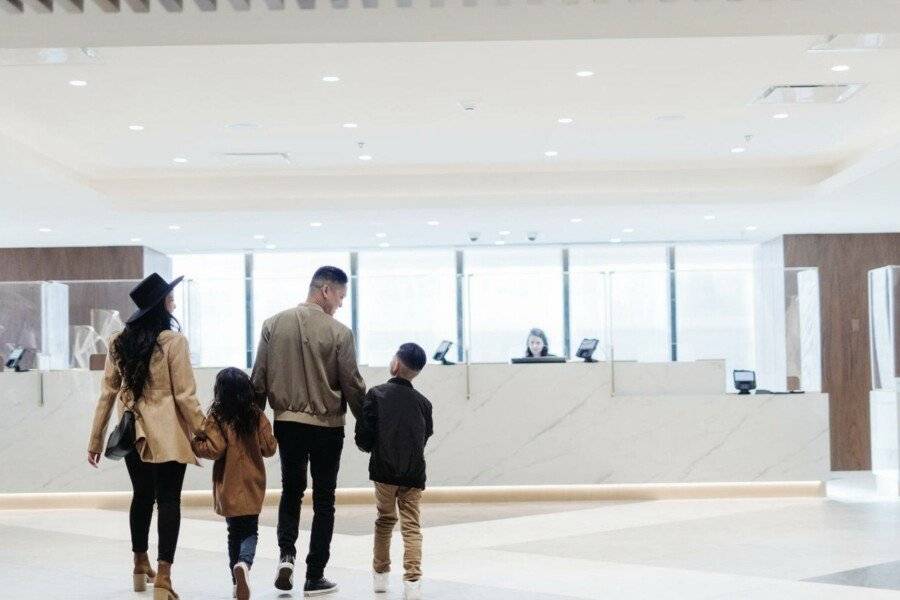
(744, 381)
(440, 354)
(16, 358)
(587, 348)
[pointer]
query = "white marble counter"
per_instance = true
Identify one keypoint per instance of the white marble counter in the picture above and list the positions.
(494, 425)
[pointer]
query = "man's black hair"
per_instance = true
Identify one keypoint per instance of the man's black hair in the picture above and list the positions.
(325, 275)
(412, 356)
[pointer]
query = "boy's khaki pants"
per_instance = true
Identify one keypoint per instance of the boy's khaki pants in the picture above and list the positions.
(388, 499)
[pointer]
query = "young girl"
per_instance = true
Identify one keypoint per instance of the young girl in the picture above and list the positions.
(237, 435)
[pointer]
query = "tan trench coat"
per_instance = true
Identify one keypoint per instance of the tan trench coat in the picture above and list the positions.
(168, 413)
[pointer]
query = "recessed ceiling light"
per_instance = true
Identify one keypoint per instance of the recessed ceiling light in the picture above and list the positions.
(709, 217)
(565, 120)
(331, 79)
(136, 127)
(78, 83)
(504, 232)
(315, 224)
(576, 220)
(349, 125)
(45, 230)
(840, 68)
(259, 236)
(628, 230)
(500, 243)
(384, 245)
(381, 234)
(135, 239)
(551, 153)
(615, 240)
(585, 73)
(434, 223)
(174, 227)
(271, 246)
(180, 159)
(738, 150)
(365, 157)
(750, 227)
(780, 116)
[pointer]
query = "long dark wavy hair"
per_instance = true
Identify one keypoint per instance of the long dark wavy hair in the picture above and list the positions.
(234, 403)
(134, 347)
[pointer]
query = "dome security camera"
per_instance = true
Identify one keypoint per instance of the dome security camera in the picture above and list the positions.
(474, 236)
(532, 236)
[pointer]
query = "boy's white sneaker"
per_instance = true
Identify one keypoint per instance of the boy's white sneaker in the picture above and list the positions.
(412, 590)
(380, 582)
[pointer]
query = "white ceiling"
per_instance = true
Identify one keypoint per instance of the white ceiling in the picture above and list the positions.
(69, 162)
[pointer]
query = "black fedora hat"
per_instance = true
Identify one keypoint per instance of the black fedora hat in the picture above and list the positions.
(150, 292)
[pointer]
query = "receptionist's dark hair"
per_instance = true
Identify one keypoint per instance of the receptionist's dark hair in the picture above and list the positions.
(327, 275)
(537, 333)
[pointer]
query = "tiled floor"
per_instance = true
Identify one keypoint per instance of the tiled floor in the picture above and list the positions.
(845, 546)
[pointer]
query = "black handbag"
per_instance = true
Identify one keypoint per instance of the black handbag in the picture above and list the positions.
(121, 440)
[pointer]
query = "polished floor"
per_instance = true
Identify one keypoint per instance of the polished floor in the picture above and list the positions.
(843, 546)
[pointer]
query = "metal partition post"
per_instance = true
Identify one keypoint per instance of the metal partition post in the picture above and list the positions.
(673, 305)
(567, 322)
(354, 300)
(248, 305)
(469, 335)
(460, 314)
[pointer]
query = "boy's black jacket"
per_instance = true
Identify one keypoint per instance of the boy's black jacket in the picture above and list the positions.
(395, 425)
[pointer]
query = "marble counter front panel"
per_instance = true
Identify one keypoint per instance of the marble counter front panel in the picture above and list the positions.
(494, 425)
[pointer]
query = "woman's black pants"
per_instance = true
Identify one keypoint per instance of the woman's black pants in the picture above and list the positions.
(160, 483)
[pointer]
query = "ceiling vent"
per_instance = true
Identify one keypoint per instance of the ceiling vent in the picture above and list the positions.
(258, 159)
(809, 94)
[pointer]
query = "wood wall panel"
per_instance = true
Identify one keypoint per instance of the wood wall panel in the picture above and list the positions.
(129, 264)
(844, 261)
(60, 264)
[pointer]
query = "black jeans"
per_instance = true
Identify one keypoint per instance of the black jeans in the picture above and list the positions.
(160, 483)
(299, 444)
(243, 533)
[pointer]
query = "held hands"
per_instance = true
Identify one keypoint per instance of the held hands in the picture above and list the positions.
(94, 459)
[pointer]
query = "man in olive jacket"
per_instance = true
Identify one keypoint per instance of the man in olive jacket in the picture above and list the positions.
(306, 368)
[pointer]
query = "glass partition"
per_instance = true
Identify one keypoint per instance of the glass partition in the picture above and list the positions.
(405, 298)
(34, 316)
(884, 327)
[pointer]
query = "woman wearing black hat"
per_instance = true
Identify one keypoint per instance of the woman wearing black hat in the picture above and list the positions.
(148, 371)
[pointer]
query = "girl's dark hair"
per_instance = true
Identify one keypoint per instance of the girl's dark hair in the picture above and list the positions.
(234, 403)
(133, 348)
(537, 333)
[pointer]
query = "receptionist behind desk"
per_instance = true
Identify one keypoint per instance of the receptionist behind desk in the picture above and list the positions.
(536, 344)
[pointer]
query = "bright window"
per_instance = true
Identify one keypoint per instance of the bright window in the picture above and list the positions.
(405, 296)
(509, 292)
(212, 308)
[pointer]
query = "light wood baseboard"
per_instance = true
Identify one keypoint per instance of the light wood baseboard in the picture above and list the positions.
(469, 494)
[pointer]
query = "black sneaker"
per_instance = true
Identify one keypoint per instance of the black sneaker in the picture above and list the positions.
(284, 579)
(319, 587)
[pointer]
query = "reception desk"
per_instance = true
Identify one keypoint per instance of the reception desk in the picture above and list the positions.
(495, 424)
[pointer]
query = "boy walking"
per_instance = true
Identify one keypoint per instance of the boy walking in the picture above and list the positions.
(395, 426)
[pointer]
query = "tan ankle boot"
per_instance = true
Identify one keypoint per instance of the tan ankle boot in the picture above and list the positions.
(143, 573)
(162, 588)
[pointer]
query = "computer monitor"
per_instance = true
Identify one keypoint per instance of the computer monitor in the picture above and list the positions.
(440, 354)
(744, 381)
(16, 358)
(528, 360)
(587, 348)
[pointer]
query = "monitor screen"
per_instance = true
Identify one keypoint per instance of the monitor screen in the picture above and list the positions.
(744, 376)
(442, 350)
